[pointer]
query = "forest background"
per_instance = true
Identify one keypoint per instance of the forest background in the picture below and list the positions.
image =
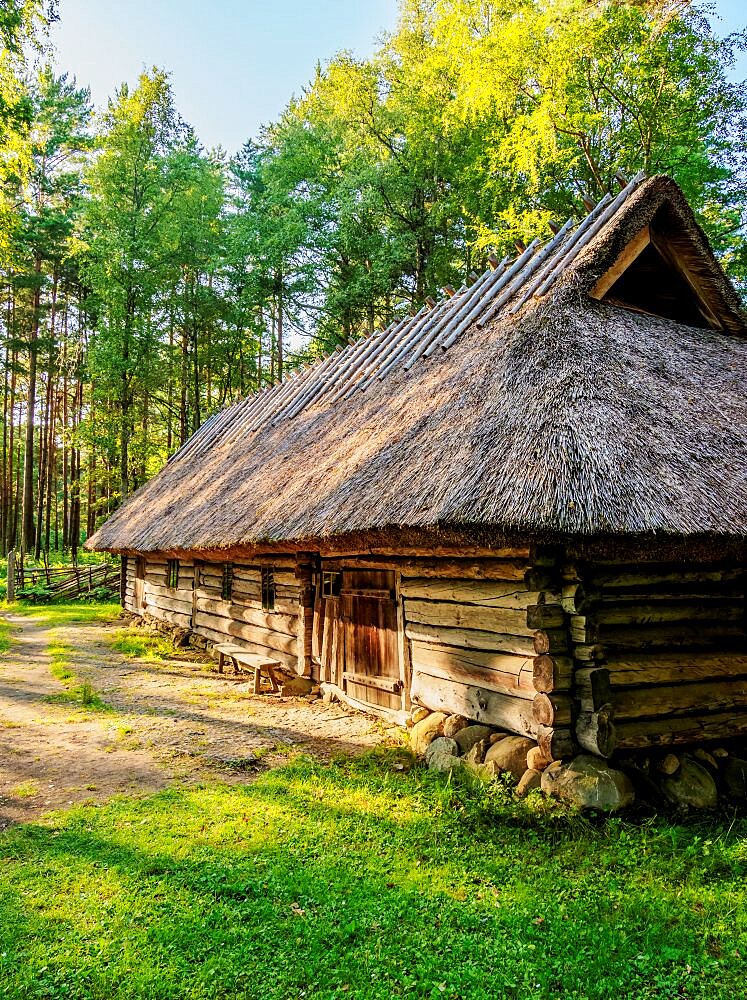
(146, 282)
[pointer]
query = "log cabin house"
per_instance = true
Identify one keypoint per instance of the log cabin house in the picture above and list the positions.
(526, 504)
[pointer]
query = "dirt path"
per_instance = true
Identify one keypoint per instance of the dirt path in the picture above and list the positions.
(167, 721)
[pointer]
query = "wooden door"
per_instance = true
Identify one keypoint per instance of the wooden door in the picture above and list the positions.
(139, 583)
(356, 636)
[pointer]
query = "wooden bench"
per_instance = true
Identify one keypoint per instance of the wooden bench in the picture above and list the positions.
(241, 657)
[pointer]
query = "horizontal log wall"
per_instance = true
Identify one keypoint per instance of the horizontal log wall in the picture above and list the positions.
(198, 603)
(470, 628)
(169, 604)
(661, 649)
(602, 655)
(128, 602)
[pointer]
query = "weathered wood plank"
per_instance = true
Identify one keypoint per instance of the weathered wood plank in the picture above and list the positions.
(674, 668)
(172, 617)
(545, 616)
(429, 554)
(250, 633)
(404, 650)
(514, 714)
(280, 562)
(467, 616)
(716, 594)
(174, 593)
(271, 620)
(671, 699)
(458, 569)
(470, 638)
(661, 636)
(629, 576)
(169, 603)
(486, 593)
(630, 252)
(696, 728)
(506, 674)
(390, 684)
(655, 613)
(289, 660)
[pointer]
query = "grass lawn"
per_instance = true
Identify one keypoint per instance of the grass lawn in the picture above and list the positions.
(73, 613)
(368, 878)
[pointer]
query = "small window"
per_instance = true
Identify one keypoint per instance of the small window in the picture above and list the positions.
(172, 574)
(331, 584)
(227, 582)
(268, 589)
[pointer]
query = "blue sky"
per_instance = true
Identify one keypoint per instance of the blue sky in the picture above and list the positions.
(234, 63)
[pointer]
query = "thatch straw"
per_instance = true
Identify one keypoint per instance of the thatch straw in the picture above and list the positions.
(572, 417)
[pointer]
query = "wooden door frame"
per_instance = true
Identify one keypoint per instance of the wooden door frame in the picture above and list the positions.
(403, 645)
(140, 602)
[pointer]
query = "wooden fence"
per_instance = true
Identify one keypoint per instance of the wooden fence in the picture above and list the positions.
(69, 581)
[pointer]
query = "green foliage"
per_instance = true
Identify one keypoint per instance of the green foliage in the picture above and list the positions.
(367, 878)
(22, 26)
(37, 593)
(477, 122)
(566, 93)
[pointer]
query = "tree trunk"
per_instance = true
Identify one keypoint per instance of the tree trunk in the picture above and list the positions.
(28, 456)
(124, 404)
(280, 324)
(183, 416)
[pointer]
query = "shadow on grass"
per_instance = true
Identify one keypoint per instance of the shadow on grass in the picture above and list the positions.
(361, 880)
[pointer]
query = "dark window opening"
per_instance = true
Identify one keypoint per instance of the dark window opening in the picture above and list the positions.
(653, 285)
(331, 584)
(268, 589)
(227, 582)
(172, 574)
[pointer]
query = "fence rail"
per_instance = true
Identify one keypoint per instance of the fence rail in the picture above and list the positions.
(69, 581)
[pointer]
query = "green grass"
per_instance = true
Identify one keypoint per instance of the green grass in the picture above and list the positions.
(6, 636)
(25, 789)
(361, 879)
(73, 613)
(136, 644)
(60, 654)
(80, 696)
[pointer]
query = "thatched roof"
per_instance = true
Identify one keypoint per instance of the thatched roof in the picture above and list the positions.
(522, 404)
